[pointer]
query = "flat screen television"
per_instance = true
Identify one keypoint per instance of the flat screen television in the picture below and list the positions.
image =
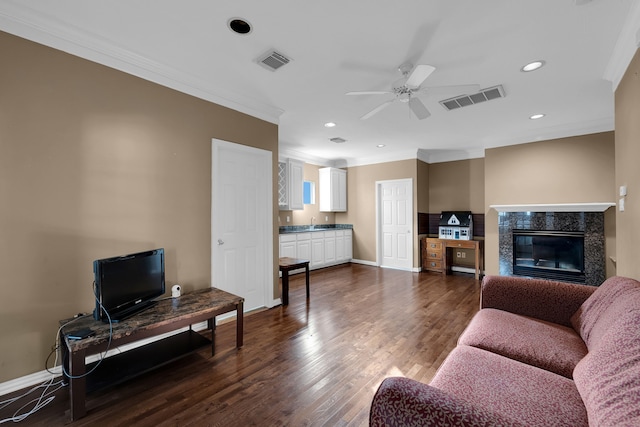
(127, 284)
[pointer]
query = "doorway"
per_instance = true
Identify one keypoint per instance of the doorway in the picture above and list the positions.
(394, 224)
(242, 222)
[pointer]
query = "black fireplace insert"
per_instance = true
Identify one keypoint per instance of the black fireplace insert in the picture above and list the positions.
(556, 255)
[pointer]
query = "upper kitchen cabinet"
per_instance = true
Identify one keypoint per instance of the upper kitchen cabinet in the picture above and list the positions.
(333, 190)
(290, 178)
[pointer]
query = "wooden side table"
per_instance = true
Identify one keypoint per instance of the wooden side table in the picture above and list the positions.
(287, 264)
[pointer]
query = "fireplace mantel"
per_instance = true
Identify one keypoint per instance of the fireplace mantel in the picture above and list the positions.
(557, 207)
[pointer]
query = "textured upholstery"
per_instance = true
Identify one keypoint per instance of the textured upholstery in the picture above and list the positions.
(547, 345)
(512, 389)
(408, 403)
(608, 378)
(596, 315)
(543, 299)
(513, 363)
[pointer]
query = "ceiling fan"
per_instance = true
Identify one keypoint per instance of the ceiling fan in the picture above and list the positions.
(407, 88)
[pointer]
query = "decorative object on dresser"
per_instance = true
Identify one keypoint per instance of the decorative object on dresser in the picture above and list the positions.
(456, 225)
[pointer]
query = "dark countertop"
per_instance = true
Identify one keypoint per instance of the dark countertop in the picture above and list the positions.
(287, 229)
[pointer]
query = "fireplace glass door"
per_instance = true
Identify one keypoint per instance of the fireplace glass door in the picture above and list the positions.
(557, 255)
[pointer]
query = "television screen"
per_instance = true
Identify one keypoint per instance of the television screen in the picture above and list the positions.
(126, 284)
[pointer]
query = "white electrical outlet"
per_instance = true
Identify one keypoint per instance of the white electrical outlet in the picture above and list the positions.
(621, 204)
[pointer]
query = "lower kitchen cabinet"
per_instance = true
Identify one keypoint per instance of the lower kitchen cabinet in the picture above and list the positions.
(321, 248)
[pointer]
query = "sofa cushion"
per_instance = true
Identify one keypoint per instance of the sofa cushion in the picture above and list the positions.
(405, 402)
(608, 378)
(598, 312)
(549, 346)
(515, 390)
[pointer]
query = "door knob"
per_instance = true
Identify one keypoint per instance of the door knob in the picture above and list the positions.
(220, 242)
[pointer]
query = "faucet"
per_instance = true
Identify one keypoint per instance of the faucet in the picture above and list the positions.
(313, 218)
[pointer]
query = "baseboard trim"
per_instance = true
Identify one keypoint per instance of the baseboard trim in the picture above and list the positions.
(363, 262)
(44, 375)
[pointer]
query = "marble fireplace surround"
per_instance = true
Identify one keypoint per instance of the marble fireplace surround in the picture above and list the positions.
(584, 217)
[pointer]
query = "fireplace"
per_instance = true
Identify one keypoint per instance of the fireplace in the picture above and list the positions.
(549, 254)
(587, 227)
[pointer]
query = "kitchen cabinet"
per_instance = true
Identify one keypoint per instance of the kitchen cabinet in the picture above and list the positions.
(290, 184)
(321, 248)
(333, 190)
(317, 249)
(303, 246)
(288, 245)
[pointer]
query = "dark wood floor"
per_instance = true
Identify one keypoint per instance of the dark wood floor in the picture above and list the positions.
(315, 362)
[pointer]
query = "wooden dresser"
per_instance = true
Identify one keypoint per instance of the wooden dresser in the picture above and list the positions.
(435, 256)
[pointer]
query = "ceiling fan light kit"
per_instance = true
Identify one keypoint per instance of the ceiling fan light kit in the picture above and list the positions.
(407, 89)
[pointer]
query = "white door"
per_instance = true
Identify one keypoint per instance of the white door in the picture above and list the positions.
(395, 223)
(242, 222)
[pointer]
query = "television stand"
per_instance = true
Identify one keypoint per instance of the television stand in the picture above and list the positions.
(166, 316)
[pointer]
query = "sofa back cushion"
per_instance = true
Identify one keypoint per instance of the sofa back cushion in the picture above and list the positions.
(600, 310)
(608, 378)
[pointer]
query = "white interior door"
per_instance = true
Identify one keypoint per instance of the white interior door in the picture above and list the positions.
(395, 223)
(242, 222)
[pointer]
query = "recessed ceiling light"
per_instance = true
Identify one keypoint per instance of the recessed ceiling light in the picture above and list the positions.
(380, 145)
(239, 25)
(329, 125)
(532, 66)
(537, 116)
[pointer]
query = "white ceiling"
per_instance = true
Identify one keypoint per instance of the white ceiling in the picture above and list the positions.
(356, 45)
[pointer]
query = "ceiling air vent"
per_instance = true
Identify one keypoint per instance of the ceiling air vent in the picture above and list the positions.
(338, 140)
(482, 96)
(273, 60)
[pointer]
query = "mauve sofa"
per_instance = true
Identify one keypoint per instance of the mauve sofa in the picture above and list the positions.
(538, 353)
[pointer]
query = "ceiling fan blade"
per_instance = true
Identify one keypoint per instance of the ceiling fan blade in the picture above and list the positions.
(418, 108)
(377, 109)
(370, 92)
(419, 75)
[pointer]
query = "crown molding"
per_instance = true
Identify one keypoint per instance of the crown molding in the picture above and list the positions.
(29, 24)
(626, 46)
(557, 207)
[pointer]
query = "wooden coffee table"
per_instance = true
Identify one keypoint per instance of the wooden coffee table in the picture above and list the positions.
(286, 265)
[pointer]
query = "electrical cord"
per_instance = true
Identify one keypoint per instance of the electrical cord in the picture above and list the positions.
(41, 401)
(103, 355)
(47, 396)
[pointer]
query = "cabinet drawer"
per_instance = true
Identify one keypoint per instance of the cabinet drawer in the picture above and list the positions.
(433, 265)
(433, 244)
(287, 238)
(468, 244)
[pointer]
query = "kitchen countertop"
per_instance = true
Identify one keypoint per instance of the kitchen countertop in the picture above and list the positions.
(287, 229)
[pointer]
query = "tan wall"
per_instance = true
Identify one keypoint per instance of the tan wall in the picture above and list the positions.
(423, 187)
(96, 163)
(457, 186)
(568, 170)
(303, 217)
(454, 186)
(361, 212)
(627, 143)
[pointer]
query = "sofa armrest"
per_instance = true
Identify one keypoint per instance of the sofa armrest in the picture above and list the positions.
(406, 402)
(543, 299)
